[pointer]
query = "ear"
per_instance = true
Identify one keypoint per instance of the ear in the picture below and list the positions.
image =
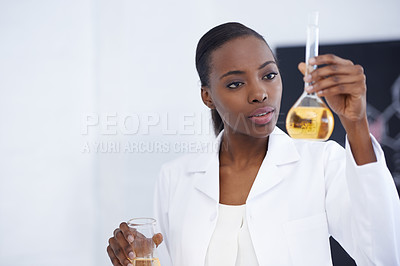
(206, 97)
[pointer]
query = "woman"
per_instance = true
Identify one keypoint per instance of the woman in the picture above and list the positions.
(264, 198)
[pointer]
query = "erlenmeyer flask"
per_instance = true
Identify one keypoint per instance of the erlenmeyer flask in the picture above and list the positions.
(310, 117)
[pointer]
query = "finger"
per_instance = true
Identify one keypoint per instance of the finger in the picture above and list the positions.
(157, 239)
(331, 81)
(128, 233)
(355, 71)
(328, 59)
(304, 69)
(116, 231)
(352, 89)
(118, 251)
(128, 250)
(113, 258)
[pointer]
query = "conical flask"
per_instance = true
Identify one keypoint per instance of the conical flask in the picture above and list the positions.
(310, 117)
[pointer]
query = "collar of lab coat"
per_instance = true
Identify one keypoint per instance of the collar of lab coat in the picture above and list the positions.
(281, 151)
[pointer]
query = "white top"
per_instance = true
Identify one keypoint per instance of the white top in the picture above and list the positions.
(230, 243)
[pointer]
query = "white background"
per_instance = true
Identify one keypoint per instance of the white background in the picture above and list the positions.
(63, 64)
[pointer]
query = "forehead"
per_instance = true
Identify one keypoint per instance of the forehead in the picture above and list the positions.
(240, 54)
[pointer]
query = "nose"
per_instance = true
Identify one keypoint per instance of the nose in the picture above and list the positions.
(257, 94)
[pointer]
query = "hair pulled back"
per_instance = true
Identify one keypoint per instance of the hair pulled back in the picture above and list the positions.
(210, 42)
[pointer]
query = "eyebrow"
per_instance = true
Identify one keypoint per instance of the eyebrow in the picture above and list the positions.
(236, 72)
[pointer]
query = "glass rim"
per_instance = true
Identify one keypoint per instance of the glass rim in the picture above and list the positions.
(141, 221)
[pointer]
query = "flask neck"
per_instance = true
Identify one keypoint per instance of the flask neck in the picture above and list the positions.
(312, 40)
(310, 100)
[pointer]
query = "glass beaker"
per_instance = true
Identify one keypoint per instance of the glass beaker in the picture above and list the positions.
(310, 117)
(143, 244)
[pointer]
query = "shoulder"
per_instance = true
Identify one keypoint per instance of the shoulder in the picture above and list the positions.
(323, 151)
(193, 162)
(183, 162)
(283, 145)
(188, 164)
(329, 146)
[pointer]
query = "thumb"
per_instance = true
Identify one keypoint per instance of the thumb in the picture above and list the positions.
(157, 239)
(302, 67)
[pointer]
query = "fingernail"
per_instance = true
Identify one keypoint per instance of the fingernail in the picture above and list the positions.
(308, 88)
(312, 60)
(131, 255)
(130, 238)
(307, 78)
(129, 264)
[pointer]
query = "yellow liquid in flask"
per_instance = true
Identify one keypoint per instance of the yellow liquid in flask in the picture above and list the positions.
(315, 123)
(146, 262)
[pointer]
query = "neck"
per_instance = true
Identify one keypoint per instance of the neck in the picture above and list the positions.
(242, 150)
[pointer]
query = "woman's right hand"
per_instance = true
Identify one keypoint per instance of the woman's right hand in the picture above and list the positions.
(120, 246)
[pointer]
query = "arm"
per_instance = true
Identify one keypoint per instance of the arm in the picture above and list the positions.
(359, 139)
(362, 204)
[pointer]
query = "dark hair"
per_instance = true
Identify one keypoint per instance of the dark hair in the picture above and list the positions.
(210, 42)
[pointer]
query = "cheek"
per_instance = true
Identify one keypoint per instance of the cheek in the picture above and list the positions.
(276, 94)
(228, 103)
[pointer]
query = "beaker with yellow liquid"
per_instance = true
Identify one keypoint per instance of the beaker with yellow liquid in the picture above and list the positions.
(143, 244)
(310, 117)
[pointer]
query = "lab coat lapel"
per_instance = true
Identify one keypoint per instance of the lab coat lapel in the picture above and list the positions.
(208, 181)
(281, 151)
(268, 176)
(206, 171)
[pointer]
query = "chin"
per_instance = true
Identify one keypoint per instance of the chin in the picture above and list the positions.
(259, 131)
(263, 132)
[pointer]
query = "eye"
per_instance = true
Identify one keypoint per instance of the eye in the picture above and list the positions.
(270, 76)
(234, 85)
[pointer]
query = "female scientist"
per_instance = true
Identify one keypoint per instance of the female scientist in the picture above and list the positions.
(263, 198)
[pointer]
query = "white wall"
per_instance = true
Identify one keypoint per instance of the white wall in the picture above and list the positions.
(46, 84)
(63, 63)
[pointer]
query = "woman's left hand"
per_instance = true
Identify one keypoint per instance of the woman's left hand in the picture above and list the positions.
(341, 83)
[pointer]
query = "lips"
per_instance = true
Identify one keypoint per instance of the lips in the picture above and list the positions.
(261, 111)
(262, 116)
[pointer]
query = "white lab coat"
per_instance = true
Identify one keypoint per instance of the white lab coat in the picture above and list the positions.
(304, 192)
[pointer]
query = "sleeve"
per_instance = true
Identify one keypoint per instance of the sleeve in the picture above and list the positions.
(161, 203)
(363, 209)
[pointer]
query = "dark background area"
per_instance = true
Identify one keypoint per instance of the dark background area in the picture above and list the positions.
(381, 63)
